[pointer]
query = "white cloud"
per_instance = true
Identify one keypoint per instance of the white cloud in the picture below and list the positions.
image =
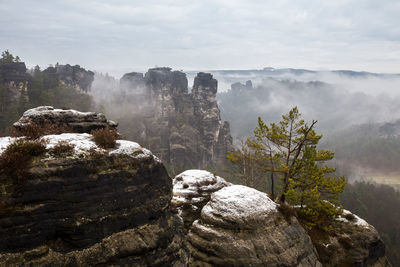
(119, 35)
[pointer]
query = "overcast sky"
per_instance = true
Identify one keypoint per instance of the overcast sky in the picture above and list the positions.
(124, 35)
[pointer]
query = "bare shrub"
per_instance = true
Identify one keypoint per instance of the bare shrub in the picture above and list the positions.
(16, 158)
(62, 148)
(35, 130)
(105, 137)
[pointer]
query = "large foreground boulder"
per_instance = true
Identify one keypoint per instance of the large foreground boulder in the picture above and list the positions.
(241, 226)
(90, 206)
(233, 225)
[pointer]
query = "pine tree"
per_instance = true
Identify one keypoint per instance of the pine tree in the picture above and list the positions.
(288, 150)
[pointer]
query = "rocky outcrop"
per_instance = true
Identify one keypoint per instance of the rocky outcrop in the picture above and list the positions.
(184, 129)
(241, 226)
(73, 76)
(351, 242)
(92, 207)
(75, 121)
(232, 225)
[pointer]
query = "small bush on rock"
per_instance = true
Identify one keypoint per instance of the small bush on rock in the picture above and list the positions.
(62, 148)
(105, 138)
(15, 160)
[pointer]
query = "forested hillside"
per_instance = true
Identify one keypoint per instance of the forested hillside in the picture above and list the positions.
(21, 89)
(368, 152)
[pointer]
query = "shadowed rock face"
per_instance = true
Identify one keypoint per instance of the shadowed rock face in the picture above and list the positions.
(183, 129)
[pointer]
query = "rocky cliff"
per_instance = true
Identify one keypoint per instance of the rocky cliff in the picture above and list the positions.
(183, 128)
(73, 76)
(15, 79)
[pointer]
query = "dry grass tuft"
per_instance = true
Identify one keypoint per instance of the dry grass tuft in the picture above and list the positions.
(105, 138)
(17, 157)
(62, 148)
(34, 130)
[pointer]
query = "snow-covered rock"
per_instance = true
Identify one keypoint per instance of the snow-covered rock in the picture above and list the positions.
(192, 190)
(76, 121)
(351, 242)
(241, 226)
(83, 145)
(349, 217)
(88, 208)
(238, 206)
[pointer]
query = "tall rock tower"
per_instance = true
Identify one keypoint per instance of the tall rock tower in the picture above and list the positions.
(184, 129)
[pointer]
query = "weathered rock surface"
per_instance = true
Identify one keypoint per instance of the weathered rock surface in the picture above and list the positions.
(184, 129)
(76, 121)
(352, 242)
(74, 76)
(192, 190)
(94, 207)
(241, 226)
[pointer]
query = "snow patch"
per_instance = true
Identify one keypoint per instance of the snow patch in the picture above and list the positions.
(198, 184)
(358, 221)
(39, 111)
(132, 149)
(83, 143)
(5, 141)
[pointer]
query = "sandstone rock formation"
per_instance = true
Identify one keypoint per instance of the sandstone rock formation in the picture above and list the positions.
(184, 129)
(76, 121)
(73, 76)
(352, 242)
(15, 79)
(232, 225)
(241, 226)
(94, 207)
